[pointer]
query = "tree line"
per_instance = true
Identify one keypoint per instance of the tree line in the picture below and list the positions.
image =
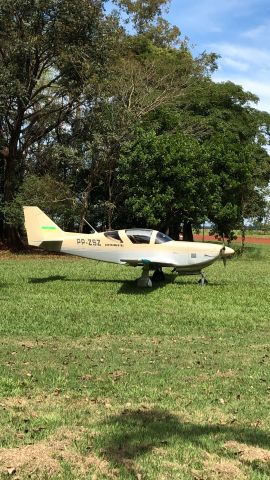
(109, 116)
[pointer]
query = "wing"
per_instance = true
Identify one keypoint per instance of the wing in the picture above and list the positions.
(146, 261)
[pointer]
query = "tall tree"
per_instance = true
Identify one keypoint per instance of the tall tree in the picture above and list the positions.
(166, 181)
(48, 55)
(144, 79)
(235, 134)
(220, 166)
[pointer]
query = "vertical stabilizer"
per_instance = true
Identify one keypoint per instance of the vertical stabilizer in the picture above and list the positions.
(40, 228)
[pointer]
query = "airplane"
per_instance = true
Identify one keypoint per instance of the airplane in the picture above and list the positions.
(150, 249)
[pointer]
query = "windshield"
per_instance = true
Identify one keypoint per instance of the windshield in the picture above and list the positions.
(114, 235)
(137, 235)
(162, 238)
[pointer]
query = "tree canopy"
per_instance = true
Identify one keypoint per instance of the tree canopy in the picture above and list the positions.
(121, 125)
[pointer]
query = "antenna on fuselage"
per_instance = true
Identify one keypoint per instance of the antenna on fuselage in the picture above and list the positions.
(87, 223)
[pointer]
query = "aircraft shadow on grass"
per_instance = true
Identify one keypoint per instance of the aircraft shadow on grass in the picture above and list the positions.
(127, 286)
(137, 432)
(51, 278)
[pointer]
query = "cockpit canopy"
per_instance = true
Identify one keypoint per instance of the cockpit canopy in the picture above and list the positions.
(162, 238)
(113, 235)
(138, 235)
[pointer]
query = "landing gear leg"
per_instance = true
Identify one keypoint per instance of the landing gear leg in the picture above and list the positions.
(145, 281)
(158, 275)
(203, 280)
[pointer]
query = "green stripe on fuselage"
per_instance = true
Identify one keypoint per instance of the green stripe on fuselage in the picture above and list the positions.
(48, 228)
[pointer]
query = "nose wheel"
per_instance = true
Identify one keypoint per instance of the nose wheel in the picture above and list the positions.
(202, 282)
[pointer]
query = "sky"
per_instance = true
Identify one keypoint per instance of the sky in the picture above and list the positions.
(239, 31)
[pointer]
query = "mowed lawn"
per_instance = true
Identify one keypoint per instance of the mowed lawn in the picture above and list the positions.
(102, 380)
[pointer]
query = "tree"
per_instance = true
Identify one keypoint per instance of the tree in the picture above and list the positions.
(262, 222)
(49, 194)
(48, 55)
(166, 181)
(220, 117)
(142, 12)
(236, 135)
(219, 165)
(89, 108)
(143, 79)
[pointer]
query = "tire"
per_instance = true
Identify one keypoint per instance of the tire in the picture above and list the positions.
(158, 276)
(203, 282)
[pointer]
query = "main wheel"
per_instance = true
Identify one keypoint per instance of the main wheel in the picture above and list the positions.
(158, 276)
(144, 282)
(203, 282)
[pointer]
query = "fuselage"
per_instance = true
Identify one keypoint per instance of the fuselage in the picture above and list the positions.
(140, 247)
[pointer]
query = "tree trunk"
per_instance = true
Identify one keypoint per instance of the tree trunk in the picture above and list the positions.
(12, 238)
(170, 227)
(13, 176)
(243, 237)
(85, 202)
(187, 231)
(11, 235)
(2, 173)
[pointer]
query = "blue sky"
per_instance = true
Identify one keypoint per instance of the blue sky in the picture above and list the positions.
(238, 30)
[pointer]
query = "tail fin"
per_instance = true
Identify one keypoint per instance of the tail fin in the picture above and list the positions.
(40, 228)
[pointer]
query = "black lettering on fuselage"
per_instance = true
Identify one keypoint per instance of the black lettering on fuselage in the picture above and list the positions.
(92, 242)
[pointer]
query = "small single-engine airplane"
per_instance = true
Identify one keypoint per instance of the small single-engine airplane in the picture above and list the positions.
(133, 246)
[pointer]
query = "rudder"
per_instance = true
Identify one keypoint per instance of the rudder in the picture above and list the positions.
(40, 228)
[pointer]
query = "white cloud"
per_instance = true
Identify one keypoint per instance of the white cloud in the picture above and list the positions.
(246, 66)
(261, 88)
(242, 53)
(258, 33)
(238, 30)
(254, 33)
(235, 64)
(249, 67)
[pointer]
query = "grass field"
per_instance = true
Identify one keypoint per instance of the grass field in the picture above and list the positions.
(101, 380)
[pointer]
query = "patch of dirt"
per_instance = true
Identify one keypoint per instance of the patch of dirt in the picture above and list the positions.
(173, 466)
(46, 457)
(218, 374)
(247, 453)
(14, 402)
(227, 374)
(33, 405)
(211, 238)
(219, 469)
(224, 469)
(41, 405)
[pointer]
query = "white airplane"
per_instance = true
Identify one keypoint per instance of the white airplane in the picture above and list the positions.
(150, 249)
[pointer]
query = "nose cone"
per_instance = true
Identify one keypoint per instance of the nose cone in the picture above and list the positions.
(228, 251)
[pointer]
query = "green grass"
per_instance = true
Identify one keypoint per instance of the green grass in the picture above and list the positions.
(110, 381)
